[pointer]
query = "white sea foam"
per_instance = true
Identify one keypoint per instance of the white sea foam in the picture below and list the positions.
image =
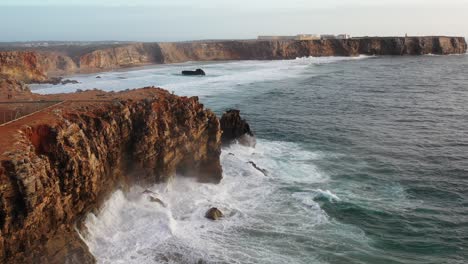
(327, 194)
(221, 76)
(132, 229)
(259, 209)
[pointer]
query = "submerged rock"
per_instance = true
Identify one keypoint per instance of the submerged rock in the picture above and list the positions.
(67, 81)
(258, 168)
(148, 192)
(58, 80)
(157, 200)
(214, 214)
(235, 128)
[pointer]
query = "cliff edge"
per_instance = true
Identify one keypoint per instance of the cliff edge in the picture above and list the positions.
(60, 163)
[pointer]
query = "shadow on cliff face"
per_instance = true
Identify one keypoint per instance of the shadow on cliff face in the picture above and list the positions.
(43, 138)
(155, 52)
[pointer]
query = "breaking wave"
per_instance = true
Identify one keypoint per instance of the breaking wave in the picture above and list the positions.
(130, 228)
(221, 76)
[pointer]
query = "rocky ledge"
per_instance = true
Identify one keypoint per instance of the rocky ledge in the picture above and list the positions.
(61, 163)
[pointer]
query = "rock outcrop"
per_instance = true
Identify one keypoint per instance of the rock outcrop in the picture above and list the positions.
(22, 66)
(32, 66)
(214, 214)
(61, 163)
(235, 128)
(195, 72)
(263, 171)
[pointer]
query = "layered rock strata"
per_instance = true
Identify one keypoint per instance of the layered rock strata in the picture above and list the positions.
(61, 163)
(33, 66)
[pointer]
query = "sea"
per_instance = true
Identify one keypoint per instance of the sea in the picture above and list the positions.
(366, 161)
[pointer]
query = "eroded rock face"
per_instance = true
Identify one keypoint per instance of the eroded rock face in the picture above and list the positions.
(235, 128)
(121, 56)
(22, 66)
(66, 161)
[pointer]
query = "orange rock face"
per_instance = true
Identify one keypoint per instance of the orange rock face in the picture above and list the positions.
(24, 66)
(37, 66)
(57, 165)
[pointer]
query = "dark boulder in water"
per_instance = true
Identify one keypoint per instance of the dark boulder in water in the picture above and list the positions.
(235, 128)
(67, 81)
(157, 200)
(148, 192)
(214, 214)
(195, 72)
(258, 168)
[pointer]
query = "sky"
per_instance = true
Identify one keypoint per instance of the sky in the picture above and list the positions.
(177, 20)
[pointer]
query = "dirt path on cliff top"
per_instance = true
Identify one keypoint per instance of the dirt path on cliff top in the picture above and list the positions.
(70, 103)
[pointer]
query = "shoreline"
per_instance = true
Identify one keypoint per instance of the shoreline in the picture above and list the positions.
(40, 64)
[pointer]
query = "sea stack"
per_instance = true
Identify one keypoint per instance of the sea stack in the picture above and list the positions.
(199, 72)
(236, 129)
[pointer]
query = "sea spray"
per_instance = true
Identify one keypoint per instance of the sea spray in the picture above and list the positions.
(132, 229)
(384, 135)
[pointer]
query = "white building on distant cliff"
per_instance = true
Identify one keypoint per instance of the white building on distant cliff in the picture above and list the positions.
(307, 37)
(343, 36)
(276, 37)
(339, 36)
(297, 37)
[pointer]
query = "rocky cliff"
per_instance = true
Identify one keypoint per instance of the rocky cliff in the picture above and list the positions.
(61, 163)
(24, 66)
(32, 66)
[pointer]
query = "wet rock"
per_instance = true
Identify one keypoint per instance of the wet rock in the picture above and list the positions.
(67, 81)
(53, 80)
(258, 168)
(98, 77)
(148, 192)
(235, 128)
(157, 200)
(58, 80)
(195, 72)
(214, 214)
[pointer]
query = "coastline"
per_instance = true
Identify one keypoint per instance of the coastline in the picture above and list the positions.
(88, 116)
(64, 161)
(38, 65)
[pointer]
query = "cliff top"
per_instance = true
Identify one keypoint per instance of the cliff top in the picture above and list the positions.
(77, 49)
(43, 109)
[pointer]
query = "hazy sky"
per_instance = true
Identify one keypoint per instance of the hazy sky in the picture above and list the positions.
(172, 20)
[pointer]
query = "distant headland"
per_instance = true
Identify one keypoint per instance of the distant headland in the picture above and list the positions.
(38, 61)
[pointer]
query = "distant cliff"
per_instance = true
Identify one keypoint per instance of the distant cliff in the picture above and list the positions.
(60, 164)
(31, 66)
